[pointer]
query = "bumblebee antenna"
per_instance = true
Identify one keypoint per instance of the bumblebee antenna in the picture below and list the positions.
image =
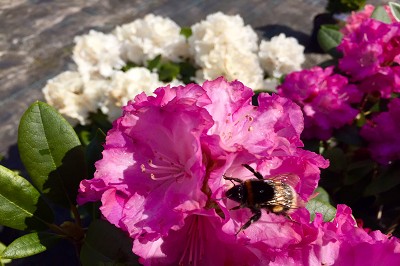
(255, 173)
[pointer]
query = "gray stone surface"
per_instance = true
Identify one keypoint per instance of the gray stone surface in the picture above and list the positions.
(36, 37)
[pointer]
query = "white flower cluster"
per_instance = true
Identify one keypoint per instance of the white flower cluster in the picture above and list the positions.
(281, 55)
(220, 45)
(144, 39)
(223, 46)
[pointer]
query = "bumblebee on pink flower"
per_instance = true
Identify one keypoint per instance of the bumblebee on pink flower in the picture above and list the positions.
(162, 178)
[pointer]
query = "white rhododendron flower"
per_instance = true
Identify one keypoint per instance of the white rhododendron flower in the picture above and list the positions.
(73, 97)
(126, 85)
(223, 45)
(146, 38)
(281, 55)
(220, 45)
(232, 64)
(97, 55)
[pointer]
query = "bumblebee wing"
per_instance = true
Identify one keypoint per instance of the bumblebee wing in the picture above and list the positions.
(289, 178)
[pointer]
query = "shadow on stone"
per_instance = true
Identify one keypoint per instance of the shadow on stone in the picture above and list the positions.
(272, 30)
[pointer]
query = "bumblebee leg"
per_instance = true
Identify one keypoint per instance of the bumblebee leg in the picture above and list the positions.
(254, 218)
(236, 208)
(255, 173)
(233, 179)
(290, 218)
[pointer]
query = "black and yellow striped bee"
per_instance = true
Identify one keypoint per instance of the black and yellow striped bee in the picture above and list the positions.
(276, 194)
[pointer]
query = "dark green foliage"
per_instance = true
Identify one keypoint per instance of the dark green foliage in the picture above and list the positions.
(344, 6)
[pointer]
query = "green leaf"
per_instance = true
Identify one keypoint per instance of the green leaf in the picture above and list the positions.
(349, 134)
(360, 119)
(186, 31)
(21, 206)
(329, 38)
(94, 150)
(357, 171)
(381, 14)
(322, 195)
(154, 63)
(315, 205)
(107, 245)
(344, 6)
(386, 181)
(337, 159)
(84, 137)
(30, 244)
(395, 9)
(187, 72)
(168, 71)
(312, 145)
(128, 66)
(2, 260)
(52, 153)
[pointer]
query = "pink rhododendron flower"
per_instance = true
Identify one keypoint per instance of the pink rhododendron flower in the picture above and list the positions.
(324, 97)
(382, 133)
(371, 57)
(343, 243)
(161, 178)
(153, 147)
(357, 17)
(199, 242)
(338, 242)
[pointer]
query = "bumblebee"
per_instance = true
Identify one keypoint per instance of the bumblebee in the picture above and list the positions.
(275, 194)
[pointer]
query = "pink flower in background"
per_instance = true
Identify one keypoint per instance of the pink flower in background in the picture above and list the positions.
(371, 57)
(338, 242)
(324, 97)
(357, 17)
(161, 175)
(382, 133)
(341, 242)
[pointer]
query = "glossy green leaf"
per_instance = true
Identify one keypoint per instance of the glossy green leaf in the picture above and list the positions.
(395, 8)
(107, 245)
(329, 38)
(94, 150)
(21, 206)
(51, 153)
(381, 14)
(315, 205)
(2, 260)
(30, 244)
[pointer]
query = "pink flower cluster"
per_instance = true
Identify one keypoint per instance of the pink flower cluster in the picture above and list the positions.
(382, 133)
(161, 179)
(357, 17)
(338, 242)
(324, 97)
(371, 57)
